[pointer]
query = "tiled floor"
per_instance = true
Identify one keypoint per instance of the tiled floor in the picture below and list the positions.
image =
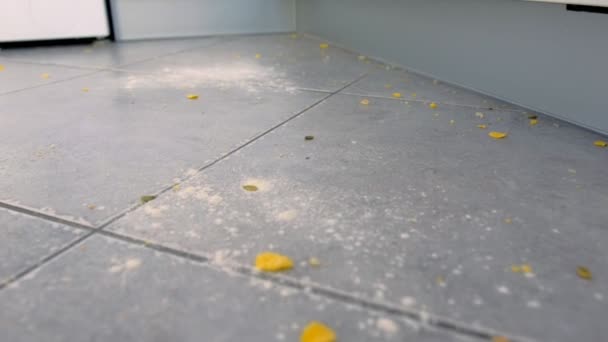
(416, 215)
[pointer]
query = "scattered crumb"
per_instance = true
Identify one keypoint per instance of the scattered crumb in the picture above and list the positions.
(287, 215)
(258, 56)
(433, 105)
(192, 97)
(479, 115)
(147, 198)
(600, 143)
(273, 262)
(45, 76)
(293, 36)
(323, 45)
(362, 58)
(317, 332)
(85, 90)
(309, 137)
(397, 95)
(500, 339)
(250, 187)
(365, 102)
(533, 122)
(482, 126)
(91, 206)
(497, 135)
(503, 290)
(584, 273)
(408, 301)
(388, 86)
(387, 326)
(314, 262)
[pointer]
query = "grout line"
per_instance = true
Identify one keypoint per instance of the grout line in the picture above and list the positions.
(45, 260)
(48, 217)
(421, 317)
(50, 83)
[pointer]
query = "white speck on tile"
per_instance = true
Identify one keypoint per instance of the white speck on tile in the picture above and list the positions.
(287, 215)
(533, 304)
(503, 290)
(387, 326)
(408, 301)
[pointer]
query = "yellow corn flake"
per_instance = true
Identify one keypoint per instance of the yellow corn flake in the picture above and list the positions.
(192, 97)
(497, 135)
(600, 143)
(479, 115)
(85, 90)
(533, 122)
(258, 56)
(45, 76)
(317, 332)
(314, 262)
(525, 269)
(273, 262)
(388, 86)
(584, 273)
(433, 105)
(250, 187)
(500, 339)
(397, 95)
(1, 67)
(482, 126)
(176, 187)
(365, 102)
(91, 206)
(323, 45)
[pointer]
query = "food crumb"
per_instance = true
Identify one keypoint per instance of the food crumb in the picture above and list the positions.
(273, 262)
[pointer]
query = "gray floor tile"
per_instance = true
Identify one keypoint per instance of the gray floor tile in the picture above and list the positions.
(66, 150)
(413, 87)
(18, 76)
(283, 62)
(105, 290)
(26, 240)
(403, 204)
(103, 54)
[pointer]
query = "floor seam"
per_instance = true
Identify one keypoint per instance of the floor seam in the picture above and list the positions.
(45, 216)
